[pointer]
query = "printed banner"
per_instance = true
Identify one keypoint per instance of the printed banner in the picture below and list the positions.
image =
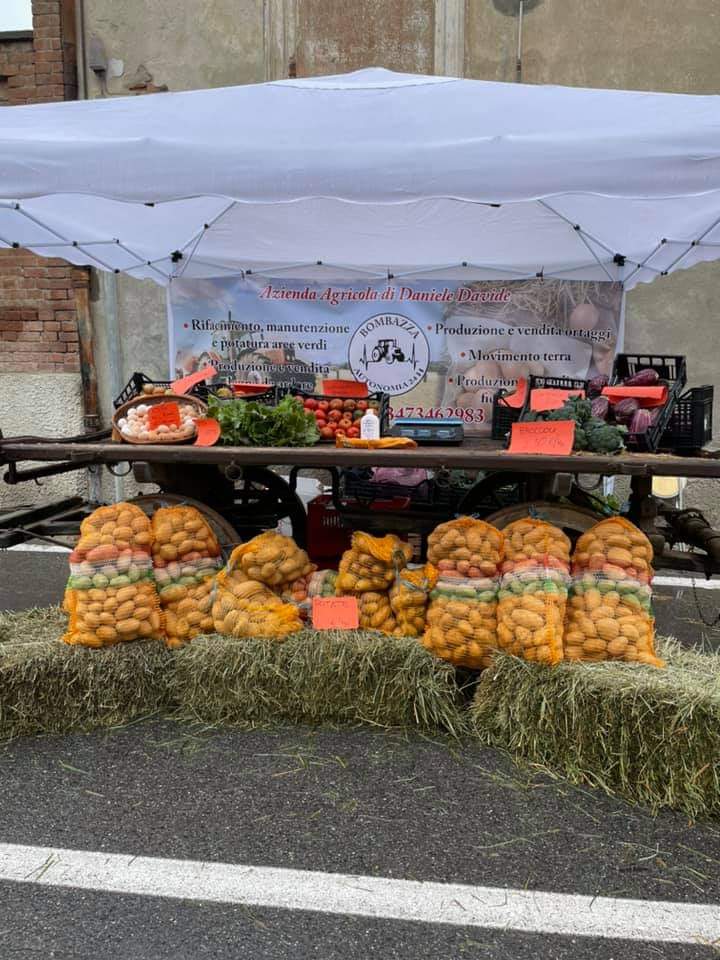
(439, 349)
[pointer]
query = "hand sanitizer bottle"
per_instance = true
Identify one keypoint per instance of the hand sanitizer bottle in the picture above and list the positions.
(369, 425)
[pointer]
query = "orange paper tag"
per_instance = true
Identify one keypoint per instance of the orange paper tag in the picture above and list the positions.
(552, 438)
(645, 396)
(335, 613)
(181, 387)
(516, 399)
(208, 432)
(163, 413)
(547, 398)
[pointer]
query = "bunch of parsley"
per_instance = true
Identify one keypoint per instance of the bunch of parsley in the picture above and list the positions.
(249, 423)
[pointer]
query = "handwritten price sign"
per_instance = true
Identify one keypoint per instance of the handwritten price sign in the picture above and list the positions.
(335, 613)
(553, 438)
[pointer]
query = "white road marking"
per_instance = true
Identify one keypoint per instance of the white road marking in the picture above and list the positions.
(379, 897)
(39, 548)
(700, 582)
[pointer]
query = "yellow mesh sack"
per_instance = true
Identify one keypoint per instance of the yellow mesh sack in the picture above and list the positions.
(190, 614)
(247, 608)
(610, 620)
(181, 535)
(272, 559)
(371, 563)
(536, 540)
(122, 525)
(103, 617)
(531, 614)
(466, 548)
(615, 547)
(409, 597)
(462, 622)
(375, 612)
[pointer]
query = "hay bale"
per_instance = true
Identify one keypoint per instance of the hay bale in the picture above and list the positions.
(648, 735)
(312, 677)
(48, 687)
(31, 626)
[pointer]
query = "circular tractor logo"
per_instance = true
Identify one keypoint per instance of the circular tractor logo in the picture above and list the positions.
(390, 353)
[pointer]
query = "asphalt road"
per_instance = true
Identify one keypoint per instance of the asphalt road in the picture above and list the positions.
(357, 801)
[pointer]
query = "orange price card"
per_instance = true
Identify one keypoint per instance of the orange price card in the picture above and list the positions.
(181, 387)
(335, 613)
(552, 438)
(163, 413)
(546, 398)
(645, 396)
(517, 399)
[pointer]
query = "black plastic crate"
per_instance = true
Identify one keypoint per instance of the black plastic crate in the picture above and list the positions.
(382, 400)
(672, 370)
(503, 417)
(434, 492)
(134, 388)
(691, 421)
(552, 383)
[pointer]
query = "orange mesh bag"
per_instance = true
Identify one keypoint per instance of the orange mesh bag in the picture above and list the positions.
(103, 617)
(462, 621)
(536, 540)
(615, 548)
(466, 548)
(610, 619)
(111, 595)
(272, 559)
(409, 597)
(186, 557)
(246, 608)
(531, 613)
(375, 612)
(371, 563)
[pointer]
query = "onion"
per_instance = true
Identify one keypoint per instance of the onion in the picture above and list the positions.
(585, 316)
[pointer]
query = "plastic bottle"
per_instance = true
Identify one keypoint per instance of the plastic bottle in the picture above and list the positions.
(370, 425)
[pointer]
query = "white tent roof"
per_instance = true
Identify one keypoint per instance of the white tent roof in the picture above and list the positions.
(368, 174)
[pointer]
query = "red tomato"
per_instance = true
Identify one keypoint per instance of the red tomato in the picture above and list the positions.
(349, 404)
(335, 415)
(336, 404)
(339, 433)
(320, 415)
(345, 423)
(323, 405)
(310, 403)
(354, 432)
(362, 404)
(327, 433)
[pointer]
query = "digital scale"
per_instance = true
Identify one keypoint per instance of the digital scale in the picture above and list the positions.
(428, 431)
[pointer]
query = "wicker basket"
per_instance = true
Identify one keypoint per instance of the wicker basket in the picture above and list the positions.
(122, 411)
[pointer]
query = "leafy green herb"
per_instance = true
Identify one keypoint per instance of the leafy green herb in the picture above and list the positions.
(249, 423)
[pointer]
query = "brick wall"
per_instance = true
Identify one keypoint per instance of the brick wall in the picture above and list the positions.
(38, 324)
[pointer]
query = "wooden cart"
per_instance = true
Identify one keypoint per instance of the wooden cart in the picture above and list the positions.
(241, 495)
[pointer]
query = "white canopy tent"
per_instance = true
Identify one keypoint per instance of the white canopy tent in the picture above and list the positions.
(369, 174)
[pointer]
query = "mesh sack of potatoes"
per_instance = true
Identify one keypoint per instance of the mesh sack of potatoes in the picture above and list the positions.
(462, 621)
(409, 597)
(111, 595)
(537, 540)
(466, 548)
(322, 583)
(375, 612)
(101, 617)
(371, 563)
(247, 608)
(610, 619)
(531, 612)
(272, 559)
(615, 548)
(186, 557)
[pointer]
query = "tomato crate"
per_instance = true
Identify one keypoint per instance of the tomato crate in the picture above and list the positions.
(672, 370)
(138, 381)
(691, 421)
(380, 401)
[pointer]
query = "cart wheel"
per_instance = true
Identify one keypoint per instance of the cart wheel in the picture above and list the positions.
(573, 520)
(225, 532)
(263, 497)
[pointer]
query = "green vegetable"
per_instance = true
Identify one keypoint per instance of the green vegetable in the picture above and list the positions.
(249, 423)
(604, 437)
(591, 433)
